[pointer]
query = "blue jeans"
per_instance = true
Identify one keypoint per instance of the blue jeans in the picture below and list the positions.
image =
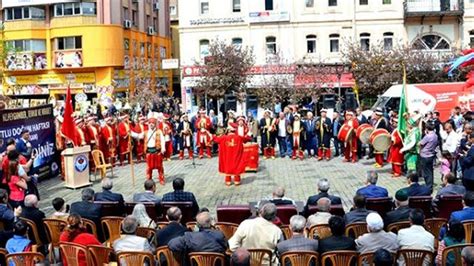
(289, 145)
(282, 145)
(312, 144)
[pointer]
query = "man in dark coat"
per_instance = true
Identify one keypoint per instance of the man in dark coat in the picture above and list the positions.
(324, 133)
(107, 194)
(172, 230)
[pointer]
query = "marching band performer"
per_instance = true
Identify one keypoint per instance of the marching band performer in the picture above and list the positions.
(323, 131)
(297, 137)
(395, 155)
(242, 129)
(350, 148)
(230, 118)
(124, 138)
(154, 149)
(204, 138)
(81, 131)
(267, 129)
(411, 144)
(140, 128)
(167, 129)
(185, 131)
(108, 141)
(380, 122)
(93, 133)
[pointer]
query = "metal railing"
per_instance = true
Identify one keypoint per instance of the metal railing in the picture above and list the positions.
(420, 6)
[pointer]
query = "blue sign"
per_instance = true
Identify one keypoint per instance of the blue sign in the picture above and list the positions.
(81, 163)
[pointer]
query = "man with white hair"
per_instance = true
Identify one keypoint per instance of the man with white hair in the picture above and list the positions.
(376, 238)
(128, 241)
(298, 242)
(323, 187)
(371, 190)
(467, 256)
(323, 215)
(107, 194)
(31, 212)
(311, 140)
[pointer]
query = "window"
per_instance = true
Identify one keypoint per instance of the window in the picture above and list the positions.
(126, 14)
(271, 45)
(173, 10)
(334, 43)
(431, 42)
(26, 12)
(74, 9)
(363, 2)
(387, 2)
(471, 38)
(204, 7)
(365, 41)
(309, 3)
(66, 43)
(27, 45)
(236, 5)
(311, 44)
(388, 41)
(134, 17)
(332, 3)
(237, 42)
(268, 4)
(203, 48)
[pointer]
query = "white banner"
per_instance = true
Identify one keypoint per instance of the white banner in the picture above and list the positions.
(14, 3)
(170, 63)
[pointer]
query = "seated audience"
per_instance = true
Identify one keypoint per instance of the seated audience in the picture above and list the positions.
(87, 208)
(416, 237)
(139, 212)
(128, 241)
(468, 212)
(323, 188)
(278, 197)
(338, 241)
(7, 216)
(180, 195)
(402, 210)
(359, 212)
(322, 215)
(454, 236)
(371, 190)
(149, 194)
(19, 242)
(259, 232)
(376, 238)
(382, 258)
(298, 242)
(450, 187)
(107, 194)
(414, 188)
(31, 212)
(467, 256)
(240, 257)
(204, 240)
(172, 230)
(60, 209)
(76, 233)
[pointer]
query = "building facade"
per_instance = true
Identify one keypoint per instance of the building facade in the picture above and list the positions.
(309, 30)
(99, 47)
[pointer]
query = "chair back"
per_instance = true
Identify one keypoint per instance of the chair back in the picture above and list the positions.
(335, 209)
(33, 234)
(191, 226)
(339, 258)
(300, 258)
(454, 250)
(70, 252)
(422, 202)
(99, 255)
(286, 231)
(468, 230)
(3, 256)
(54, 227)
(171, 258)
(228, 229)
(415, 257)
(145, 232)
(233, 213)
(258, 256)
(111, 228)
(434, 225)
(319, 231)
(25, 258)
(98, 157)
(355, 230)
(448, 204)
(150, 207)
(186, 208)
(380, 205)
(110, 208)
(285, 212)
(368, 259)
(207, 259)
(135, 258)
(395, 227)
(90, 226)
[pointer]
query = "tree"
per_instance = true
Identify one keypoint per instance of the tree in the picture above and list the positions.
(4, 50)
(312, 78)
(225, 70)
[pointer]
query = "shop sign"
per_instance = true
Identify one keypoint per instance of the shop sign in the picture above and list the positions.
(269, 16)
(47, 79)
(216, 21)
(170, 64)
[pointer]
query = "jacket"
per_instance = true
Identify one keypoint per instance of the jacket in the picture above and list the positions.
(107, 195)
(313, 200)
(463, 215)
(37, 216)
(147, 196)
(467, 164)
(400, 214)
(180, 196)
(171, 231)
(297, 243)
(202, 241)
(336, 243)
(356, 215)
(416, 189)
(370, 242)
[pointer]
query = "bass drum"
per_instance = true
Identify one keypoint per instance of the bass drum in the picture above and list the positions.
(380, 139)
(363, 133)
(345, 133)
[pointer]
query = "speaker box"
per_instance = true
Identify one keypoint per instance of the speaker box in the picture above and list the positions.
(351, 101)
(329, 101)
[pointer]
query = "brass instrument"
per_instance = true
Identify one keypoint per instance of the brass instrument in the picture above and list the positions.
(289, 129)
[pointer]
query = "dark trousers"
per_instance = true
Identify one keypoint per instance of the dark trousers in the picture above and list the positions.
(426, 170)
(282, 145)
(338, 146)
(468, 183)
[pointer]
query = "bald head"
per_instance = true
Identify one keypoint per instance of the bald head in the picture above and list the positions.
(173, 214)
(240, 257)
(31, 201)
(324, 204)
(204, 220)
(279, 192)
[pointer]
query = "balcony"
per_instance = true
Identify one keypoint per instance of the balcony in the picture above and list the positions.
(434, 8)
(269, 16)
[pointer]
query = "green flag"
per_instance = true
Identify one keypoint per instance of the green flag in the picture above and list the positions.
(402, 109)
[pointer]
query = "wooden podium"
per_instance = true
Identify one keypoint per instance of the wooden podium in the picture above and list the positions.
(76, 166)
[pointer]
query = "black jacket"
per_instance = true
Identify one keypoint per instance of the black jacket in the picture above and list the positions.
(37, 216)
(202, 241)
(313, 200)
(87, 210)
(416, 189)
(400, 214)
(336, 243)
(172, 230)
(107, 195)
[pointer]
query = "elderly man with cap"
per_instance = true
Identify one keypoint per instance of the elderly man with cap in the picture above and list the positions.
(297, 137)
(380, 123)
(267, 131)
(411, 146)
(231, 150)
(323, 129)
(402, 210)
(350, 148)
(376, 237)
(154, 149)
(167, 129)
(185, 131)
(124, 138)
(139, 128)
(204, 138)
(395, 156)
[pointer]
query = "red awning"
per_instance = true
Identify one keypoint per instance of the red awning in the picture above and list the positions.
(331, 80)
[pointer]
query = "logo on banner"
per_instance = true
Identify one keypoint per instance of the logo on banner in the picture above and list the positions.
(81, 163)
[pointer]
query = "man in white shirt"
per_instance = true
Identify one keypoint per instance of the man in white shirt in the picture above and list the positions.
(322, 215)
(282, 135)
(128, 241)
(450, 138)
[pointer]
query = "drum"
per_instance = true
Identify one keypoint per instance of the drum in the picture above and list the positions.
(345, 133)
(251, 157)
(363, 133)
(380, 139)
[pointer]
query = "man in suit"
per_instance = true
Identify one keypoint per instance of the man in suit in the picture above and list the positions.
(323, 187)
(359, 212)
(172, 230)
(371, 190)
(323, 215)
(149, 194)
(450, 187)
(336, 126)
(338, 241)
(278, 198)
(23, 145)
(468, 212)
(87, 208)
(414, 188)
(311, 140)
(467, 164)
(107, 194)
(298, 242)
(323, 132)
(179, 195)
(31, 212)
(402, 211)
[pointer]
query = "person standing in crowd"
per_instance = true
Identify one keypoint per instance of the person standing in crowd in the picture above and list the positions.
(267, 129)
(395, 155)
(185, 136)
(288, 111)
(380, 123)
(252, 125)
(311, 140)
(108, 141)
(323, 131)
(81, 131)
(362, 120)
(124, 138)
(23, 145)
(203, 126)
(282, 134)
(166, 129)
(175, 121)
(350, 149)
(140, 128)
(411, 146)
(427, 155)
(16, 179)
(336, 126)
(457, 118)
(297, 136)
(242, 129)
(155, 147)
(450, 144)
(467, 164)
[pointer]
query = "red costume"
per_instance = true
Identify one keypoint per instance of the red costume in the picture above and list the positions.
(167, 128)
(297, 129)
(395, 156)
(204, 138)
(231, 163)
(108, 142)
(93, 137)
(154, 149)
(350, 148)
(140, 128)
(124, 140)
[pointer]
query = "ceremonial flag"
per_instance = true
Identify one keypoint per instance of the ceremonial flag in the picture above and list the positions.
(68, 128)
(402, 109)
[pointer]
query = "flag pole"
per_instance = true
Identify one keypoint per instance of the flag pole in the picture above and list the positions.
(132, 168)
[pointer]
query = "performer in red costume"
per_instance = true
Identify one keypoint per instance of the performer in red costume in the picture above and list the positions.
(204, 137)
(154, 149)
(124, 139)
(167, 129)
(297, 136)
(107, 141)
(81, 132)
(395, 156)
(380, 123)
(231, 149)
(350, 148)
(93, 133)
(242, 129)
(140, 128)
